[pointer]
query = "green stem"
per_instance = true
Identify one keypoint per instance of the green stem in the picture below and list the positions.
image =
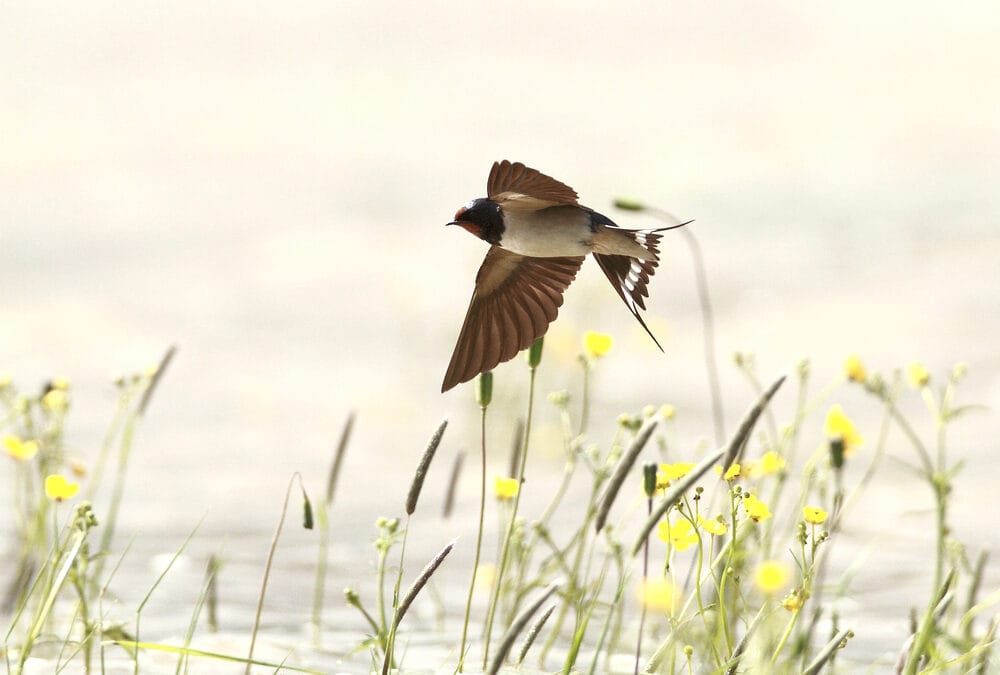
(645, 576)
(391, 641)
(383, 555)
(784, 637)
(568, 470)
(319, 589)
(579, 540)
(479, 540)
(124, 451)
(505, 553)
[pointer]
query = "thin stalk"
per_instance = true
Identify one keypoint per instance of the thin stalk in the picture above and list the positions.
(513, 518)
(156, 584)
(479, 538)
(124, 451)
(199, 604)
(55, 584)
(705, 303)
(784, 637)
(383, 556)
(708, 330)
(267, 572)
(387, 662)
(319, 588)
(584, 621)
(645, 576)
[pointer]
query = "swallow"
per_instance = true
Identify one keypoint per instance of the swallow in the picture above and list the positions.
(539, 235)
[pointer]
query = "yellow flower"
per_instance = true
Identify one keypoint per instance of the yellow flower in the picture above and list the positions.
(839, 426)
(671, 472)
(506, 488)
(60, 383)
(854, 369)
(793, 601)
(772, 576)
(657, 594)
(55, 400)
(680, 535)
(814, 515)
(20, 450)
(58, 488)
(715, 527)
(756, 509)
(732, 473)
(770, 463)
(596, 344)
(667, 411)
(917, 375)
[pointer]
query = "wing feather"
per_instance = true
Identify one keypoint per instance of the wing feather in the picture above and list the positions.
(516, 186)
(515, 300)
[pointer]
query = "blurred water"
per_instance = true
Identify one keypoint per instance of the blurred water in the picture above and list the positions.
(266, 187)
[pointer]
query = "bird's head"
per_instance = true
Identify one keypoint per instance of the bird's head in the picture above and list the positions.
(483, 218)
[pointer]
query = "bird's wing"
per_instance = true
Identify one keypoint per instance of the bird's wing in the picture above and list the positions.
(515, 300)
(515, 186)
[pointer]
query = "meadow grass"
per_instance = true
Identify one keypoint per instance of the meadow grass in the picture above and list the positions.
(679, 560)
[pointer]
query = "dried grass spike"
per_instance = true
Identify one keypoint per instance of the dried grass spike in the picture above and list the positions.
(622, 470)
(517, 626)
(425, 463)
(735, 449)
(421, 580)
(338, 458)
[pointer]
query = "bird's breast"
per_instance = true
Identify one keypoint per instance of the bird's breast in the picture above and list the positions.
(548, 233)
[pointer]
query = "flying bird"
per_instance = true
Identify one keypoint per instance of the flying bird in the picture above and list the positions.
(539, 235)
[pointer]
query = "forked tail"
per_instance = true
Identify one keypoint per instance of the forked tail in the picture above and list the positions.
(630, 275)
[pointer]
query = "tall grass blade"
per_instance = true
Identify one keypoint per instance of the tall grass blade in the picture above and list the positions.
(173, 649)
(267, 570)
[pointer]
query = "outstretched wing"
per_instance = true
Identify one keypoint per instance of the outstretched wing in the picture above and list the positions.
(516, 186)
(515, 300)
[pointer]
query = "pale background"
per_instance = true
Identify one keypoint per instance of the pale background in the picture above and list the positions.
(266, 185)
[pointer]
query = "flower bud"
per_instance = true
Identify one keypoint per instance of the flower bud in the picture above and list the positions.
(535, 353)
(649, 478)
(484, 390)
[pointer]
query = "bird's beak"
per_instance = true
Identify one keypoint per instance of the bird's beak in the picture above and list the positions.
(454, 222)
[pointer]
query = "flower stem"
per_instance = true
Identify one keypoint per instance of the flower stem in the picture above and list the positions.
(505, 552)
(479, 540)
